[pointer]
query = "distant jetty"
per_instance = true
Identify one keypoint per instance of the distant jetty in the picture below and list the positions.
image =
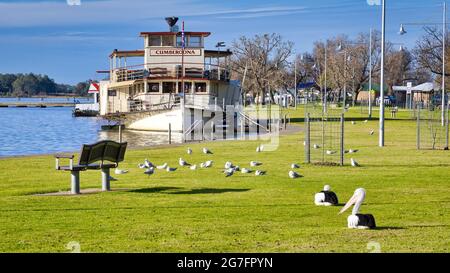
(36, 104)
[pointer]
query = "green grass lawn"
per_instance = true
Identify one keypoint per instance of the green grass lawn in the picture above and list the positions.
(408, 192)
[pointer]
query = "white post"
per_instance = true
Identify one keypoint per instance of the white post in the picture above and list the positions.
(295, 83)
(383, 31)
(370, 74)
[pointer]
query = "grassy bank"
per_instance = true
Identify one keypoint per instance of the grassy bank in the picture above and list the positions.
(202, 211)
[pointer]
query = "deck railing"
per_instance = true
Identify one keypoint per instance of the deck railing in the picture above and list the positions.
(171, 70)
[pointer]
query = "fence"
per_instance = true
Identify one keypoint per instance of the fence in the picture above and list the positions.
(324, 138)
(432, 133)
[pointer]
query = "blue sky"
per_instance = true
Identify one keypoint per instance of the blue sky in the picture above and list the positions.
(71, 42)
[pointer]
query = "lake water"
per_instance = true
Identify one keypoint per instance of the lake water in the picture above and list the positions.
(31, 131)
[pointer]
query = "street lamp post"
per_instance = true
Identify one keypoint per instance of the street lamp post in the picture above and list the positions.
(444, 30)
(383, 41)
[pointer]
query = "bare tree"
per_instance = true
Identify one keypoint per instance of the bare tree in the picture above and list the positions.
(266, 58)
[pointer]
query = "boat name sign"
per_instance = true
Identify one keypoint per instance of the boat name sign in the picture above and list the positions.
(175, 52)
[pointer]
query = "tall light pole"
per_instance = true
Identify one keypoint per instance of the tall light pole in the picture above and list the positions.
(383, 41)
(370, 73)
(444, 32)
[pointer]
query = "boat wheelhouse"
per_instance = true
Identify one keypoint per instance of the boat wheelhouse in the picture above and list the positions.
(168, 82)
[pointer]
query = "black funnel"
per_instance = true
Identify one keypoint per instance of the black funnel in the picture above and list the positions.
(171, 21)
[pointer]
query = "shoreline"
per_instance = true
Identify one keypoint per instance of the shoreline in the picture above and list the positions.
(291, 129)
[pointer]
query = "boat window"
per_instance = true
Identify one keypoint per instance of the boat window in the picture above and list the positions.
(187, 87)
(179, 43)
(169, 87)
(153, 87)
(200, 87)
(154, 40)
(167, 40)
(195, 41)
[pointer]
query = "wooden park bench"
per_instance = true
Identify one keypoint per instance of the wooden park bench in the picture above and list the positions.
(102, 155)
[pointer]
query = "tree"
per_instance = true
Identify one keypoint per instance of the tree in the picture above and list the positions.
(266, 59)
(6, 81)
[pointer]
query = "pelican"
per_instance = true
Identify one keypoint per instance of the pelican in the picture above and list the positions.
(182, 162)
(326, 197)
(206, 151)
(356, 220)
(189, 151)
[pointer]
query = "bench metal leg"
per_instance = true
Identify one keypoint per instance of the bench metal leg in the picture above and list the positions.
(75, 182)
(106, 185)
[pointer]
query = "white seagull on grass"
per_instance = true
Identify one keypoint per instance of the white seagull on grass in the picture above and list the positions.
(354, 163)
(294, 175)
(206, 151)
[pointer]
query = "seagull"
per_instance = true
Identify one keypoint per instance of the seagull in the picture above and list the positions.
(228, 165)
(353, 123)
(330, 152)
(351, 151)
(326, 197)
(119, 171)
(229, 172)
(294, 175)
(189, 151)
(162, 167)
(169, 169)
(207, 164)
(236, 168)
(193, 167)
(366, 121)
(304, 143)
(372, 132)
(206, 151)
(357, 220)
(315, 146)
(245, 170)
(150, 171)
(260, 148)
(141, 166)
(148, 164)
(259, 173)
(183, 163)
(255, 163)
(295, 166)
(354, 163)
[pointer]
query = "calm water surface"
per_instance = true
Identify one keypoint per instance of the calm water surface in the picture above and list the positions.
(31, 131)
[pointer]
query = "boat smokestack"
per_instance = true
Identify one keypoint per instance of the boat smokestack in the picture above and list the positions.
(172, 21)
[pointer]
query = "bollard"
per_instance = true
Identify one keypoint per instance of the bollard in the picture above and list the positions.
(105, 180)
(170, 133)
(75, 179)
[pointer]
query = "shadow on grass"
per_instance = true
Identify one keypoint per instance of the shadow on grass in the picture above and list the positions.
(177, 190)
(208, 191)
(389, 228)
(154, 190)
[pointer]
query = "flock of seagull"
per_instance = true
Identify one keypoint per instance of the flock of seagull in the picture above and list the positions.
(323, 198)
